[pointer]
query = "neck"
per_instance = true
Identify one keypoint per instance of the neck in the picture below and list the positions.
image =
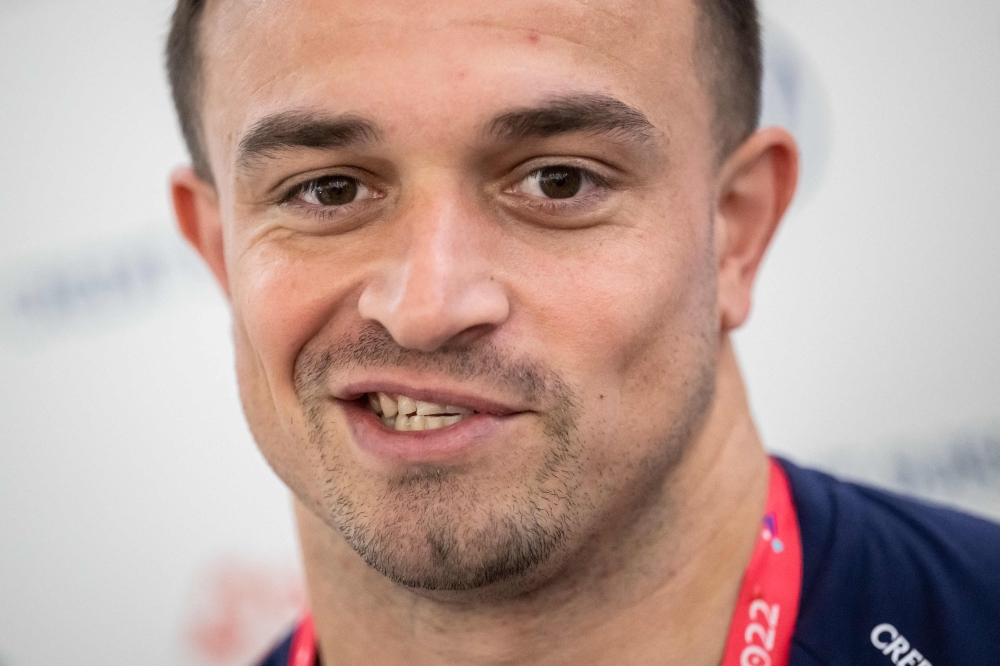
(658, 600)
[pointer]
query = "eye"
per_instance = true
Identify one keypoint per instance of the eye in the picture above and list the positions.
(556, 182)
(330, 191)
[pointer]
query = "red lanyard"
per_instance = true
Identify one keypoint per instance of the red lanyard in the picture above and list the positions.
(761, 630)
(768, 603)
(303, 652)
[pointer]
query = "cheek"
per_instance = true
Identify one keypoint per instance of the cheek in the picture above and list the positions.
(629, 319)
(283, 299)
(629, 305)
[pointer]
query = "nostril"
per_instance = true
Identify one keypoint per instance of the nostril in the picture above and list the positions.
(469, 335)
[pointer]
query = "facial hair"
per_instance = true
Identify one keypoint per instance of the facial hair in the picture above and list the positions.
(433, 527)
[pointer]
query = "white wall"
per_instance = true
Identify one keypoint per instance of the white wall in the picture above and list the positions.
(138, 523)
(873, 345)
(130, 488)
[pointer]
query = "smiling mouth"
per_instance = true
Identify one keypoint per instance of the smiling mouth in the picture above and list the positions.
(406, 414)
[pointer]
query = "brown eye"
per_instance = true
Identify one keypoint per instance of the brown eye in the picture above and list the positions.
(334, 190)
(559, 182)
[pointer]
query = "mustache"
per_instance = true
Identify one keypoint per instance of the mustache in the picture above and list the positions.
(372, 347)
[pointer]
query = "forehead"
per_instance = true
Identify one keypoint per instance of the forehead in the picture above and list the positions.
(409, 61)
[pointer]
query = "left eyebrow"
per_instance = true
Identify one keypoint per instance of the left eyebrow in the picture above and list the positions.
(598, 114)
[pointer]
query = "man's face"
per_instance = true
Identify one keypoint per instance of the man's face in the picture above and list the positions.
(501, 207)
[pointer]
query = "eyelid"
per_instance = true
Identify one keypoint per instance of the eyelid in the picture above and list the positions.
(307, 185)
(580, 204)
(598, 172)
(351, 214)
(286, 190)
(594, 180)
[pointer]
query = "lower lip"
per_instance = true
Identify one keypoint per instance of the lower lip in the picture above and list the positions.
(467, 437)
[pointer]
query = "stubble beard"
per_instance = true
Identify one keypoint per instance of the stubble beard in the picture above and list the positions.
(440, 527)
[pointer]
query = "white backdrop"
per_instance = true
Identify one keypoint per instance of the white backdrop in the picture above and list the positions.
(138, 523)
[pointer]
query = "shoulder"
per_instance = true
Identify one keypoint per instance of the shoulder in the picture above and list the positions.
(278, 656)
(891, 580)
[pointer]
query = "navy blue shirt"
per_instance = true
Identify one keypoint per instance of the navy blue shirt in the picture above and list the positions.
(886, 580)
(882, 573)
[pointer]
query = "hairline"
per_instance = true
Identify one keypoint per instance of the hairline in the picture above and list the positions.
(707, 59)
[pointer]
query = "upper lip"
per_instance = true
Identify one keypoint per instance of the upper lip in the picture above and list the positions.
(437, 395)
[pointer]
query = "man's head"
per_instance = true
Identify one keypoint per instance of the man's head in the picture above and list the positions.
(547, 213)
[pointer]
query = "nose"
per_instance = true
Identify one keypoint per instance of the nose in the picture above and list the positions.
(439, 285)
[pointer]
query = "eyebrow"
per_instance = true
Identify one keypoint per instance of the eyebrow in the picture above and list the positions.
(598, 114)
(289, 130)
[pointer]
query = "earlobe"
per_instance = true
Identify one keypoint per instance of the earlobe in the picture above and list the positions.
(196, 206)
(757, 184)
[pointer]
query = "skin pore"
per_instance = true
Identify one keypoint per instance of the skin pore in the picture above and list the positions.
(514, 207)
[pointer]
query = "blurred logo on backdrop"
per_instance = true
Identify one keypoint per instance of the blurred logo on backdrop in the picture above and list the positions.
(959, 468)
(967, 462)
(67, 292)
(239, 608)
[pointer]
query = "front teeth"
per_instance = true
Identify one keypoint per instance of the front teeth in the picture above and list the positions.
(406, 414)
(407, 405)
(386, 405)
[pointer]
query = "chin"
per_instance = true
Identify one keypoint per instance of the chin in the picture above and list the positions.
(449, 531)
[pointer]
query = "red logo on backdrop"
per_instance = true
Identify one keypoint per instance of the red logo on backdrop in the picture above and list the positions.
(240, 608)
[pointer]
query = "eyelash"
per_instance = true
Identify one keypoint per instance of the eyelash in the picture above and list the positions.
(601, 187)
(289, 199)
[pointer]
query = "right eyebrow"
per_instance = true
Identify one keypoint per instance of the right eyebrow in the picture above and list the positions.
(596, 113)
(289, 130)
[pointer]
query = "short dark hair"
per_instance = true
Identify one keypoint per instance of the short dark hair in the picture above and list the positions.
(727, 57)
(729, 61)
(184, 72)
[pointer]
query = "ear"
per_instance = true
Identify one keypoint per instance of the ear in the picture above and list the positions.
(196, 206)
(756, 185)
